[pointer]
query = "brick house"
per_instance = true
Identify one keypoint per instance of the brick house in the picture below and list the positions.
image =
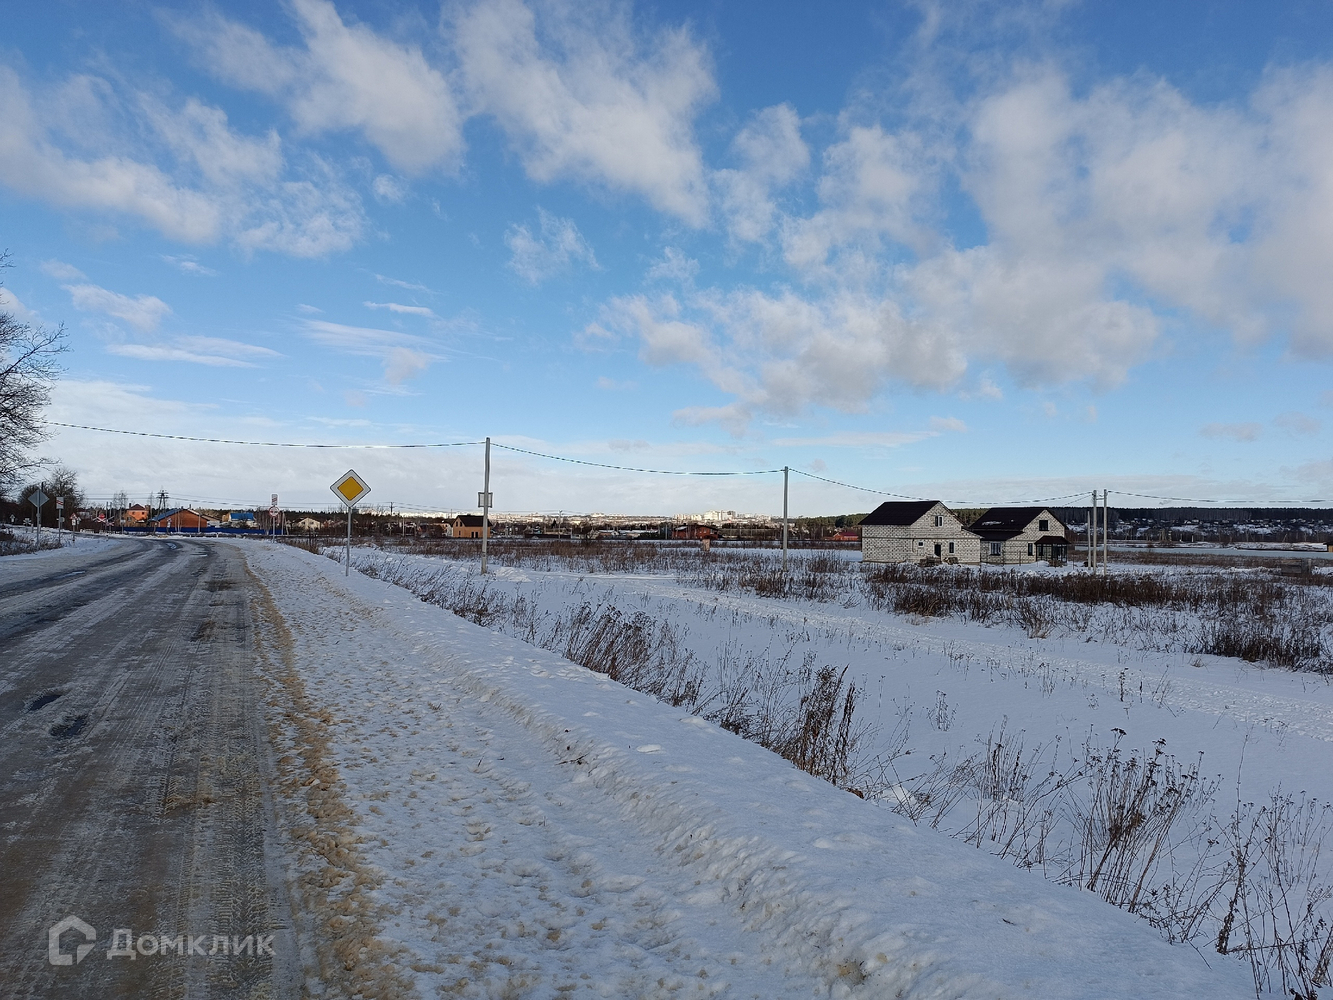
(916, 531)
(1016, 535)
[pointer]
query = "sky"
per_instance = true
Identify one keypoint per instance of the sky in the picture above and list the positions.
(985, 252)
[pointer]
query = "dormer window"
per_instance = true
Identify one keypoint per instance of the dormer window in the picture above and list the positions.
(1043, 525)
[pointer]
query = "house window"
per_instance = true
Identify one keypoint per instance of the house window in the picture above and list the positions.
(939, 520)
(995, 548)
(1043, 525)
(951, 548)
(920, 544)
(1029, 548)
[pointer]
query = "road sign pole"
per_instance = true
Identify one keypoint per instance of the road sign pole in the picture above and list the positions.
(486, 506)
(350, 488)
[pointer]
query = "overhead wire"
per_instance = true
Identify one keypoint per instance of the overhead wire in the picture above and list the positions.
(635, 469)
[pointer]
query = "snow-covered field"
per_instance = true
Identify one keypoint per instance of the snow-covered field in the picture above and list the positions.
(485, 818)
(950, 709)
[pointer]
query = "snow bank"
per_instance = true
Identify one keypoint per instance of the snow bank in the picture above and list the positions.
(756, 877)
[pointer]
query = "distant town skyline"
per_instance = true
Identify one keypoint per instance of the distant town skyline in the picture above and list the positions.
(986, 253)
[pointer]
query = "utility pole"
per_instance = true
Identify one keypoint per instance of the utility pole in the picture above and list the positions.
(1092, 531)
(486, 506)
(785, 472)
(1106, 530)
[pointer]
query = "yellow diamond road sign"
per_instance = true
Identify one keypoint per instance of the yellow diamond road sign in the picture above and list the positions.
(350, 488)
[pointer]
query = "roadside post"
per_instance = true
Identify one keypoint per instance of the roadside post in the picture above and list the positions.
(273, 516)
(350, 488)
(37, 499)
(484, 502)
(60, 515)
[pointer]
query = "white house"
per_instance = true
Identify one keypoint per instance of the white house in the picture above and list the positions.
(916, 530)
(1015, 535)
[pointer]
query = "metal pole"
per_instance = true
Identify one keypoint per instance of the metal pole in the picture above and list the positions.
(785, 472)
(1092, 528)
(486, 506)
(347, 569)
(1106, 530)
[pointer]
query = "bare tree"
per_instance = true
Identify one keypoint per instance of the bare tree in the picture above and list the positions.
(28, 368)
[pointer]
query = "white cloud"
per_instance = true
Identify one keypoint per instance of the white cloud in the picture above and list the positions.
(1297, 424)
(343, 77)
(163, 352)
(948, 424)
(558, 248)
(874, 186)
(216, 352)
(734, 417)
(772, 154)
(61, 271)
(389, 189)
(590, 101)
(858, 439)
(780, 353)
(187, 264)
(403, 363)
(398, 283)
(143, 312)
(1243, 432)
(10, 303)
(396, 307)
(360, 340)
(181, 170)
(674, 266)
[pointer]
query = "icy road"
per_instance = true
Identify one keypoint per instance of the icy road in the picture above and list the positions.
(440, 810)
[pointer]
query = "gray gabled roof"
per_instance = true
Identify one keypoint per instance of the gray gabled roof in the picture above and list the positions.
(899, 513)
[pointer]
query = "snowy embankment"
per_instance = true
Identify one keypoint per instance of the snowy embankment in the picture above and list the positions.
(524, 826)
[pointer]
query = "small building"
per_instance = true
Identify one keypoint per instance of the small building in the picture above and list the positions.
(916, 531)
(240, 519)
(467, 526)
(1016, 535)
(694, 530)
(182, 519)
(138, 514)
(308, 525)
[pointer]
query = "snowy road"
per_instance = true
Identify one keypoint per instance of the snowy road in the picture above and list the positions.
(133, 778)
(483, 818)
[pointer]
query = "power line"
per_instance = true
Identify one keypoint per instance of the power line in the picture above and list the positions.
(1238, 503)
(626, 468)
(902, 496)
(257, 444)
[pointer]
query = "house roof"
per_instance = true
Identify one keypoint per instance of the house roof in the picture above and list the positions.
(1000, 523)
(468, 520)
(1052, 540)
(899, 513)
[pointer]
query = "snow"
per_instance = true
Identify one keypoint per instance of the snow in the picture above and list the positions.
(538, 830)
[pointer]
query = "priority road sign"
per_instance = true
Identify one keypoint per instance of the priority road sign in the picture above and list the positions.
(350, 488)
(38, 498)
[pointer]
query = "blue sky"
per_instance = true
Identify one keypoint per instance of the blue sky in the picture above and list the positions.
(986, 252)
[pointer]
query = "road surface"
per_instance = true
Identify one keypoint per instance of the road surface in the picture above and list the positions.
(135, 777)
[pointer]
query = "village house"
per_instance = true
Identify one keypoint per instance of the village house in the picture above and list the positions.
(1015, 535)
(183, 519)
(240, 519)
(138, 514)
(916, 531)
(467, 526)
(308, 525)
